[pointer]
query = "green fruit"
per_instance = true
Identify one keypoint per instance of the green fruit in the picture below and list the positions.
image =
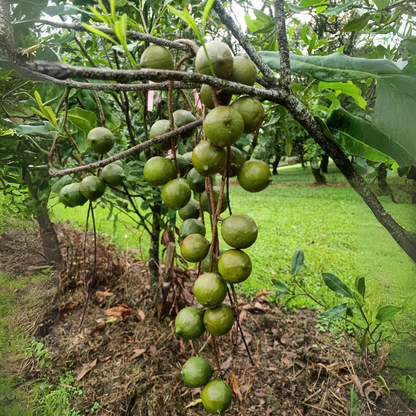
(244, 71)
(239, 231)
(192, 226)
(210, 290)
(208, 159)
(158, 171)
(234, 266)
(204, 199)
(189, 323)
(160, 128)
(176, 194)
(113, 174)
(191, 210)
(223, 126)
(188, 157)
(194, 248)
(205, 95)
(237, 160)
(254, 176)
(183, 165)
(119, 163)
(196, 372)
(157, 57)
(182, 118)
(142, 157)
(221, 58)
(216, 396)
(206, 261)
(218, 321)
(71, 196)
(92, 187)
(195, 181)
(252, 112)
(100, 140)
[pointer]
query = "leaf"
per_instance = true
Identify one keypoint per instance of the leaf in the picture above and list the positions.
(357, 24)
(336, 285)
(335, 312)
(338, 9)
(51, 115)
(381, 4)
(252, 25)
(98, 32)
(361, 286)
(334, 67)
(345, 88)
(36, 111)
(16, 110)
(83, 119)
(387, 312)
(86, 368)
(207, 11)
(39, 102)
(263, 17)
(309, 3)
(297, 261)
(137, 353)
(194, 403)
(280, 285)
(119, 311)
(395, 111)
(360, 138)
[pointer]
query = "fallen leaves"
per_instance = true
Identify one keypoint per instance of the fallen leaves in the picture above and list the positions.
(119, 311)
(86, 368)
(94, 332)
(141, 314)
(137, 353)
(235, 386)
(67, 306)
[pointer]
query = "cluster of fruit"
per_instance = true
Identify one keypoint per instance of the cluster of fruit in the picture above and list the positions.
(223, 126)
(101, 141)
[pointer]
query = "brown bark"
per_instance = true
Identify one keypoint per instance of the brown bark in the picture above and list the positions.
(319, 178)
(324, 163)
(49, 238)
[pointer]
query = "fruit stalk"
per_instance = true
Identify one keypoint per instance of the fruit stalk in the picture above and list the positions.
(172, 128)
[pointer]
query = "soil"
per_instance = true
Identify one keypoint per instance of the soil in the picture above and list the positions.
(129, 361)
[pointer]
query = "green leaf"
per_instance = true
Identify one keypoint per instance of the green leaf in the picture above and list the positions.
(360, 138)
(288, 146)
(309, 3)
(252, 25)
(333, 11)
(39, 102)
(282, 289)
(51, 115)
(335, 312)
(304, 35)
(387, 312)
(395, 112)
(83, 119)
(320, 9)
(336, 285)
(262, 17)
(360, 285)
(334, 67)
(99, 33)
(382, 4)
(14, 109)
(358, 23)
(207, 11)
(296, 8)
(297, 261)
(39, 113)
(345, 88)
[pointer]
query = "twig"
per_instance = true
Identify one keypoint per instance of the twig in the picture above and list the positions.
(227, 173)
(136, 209)
(99, 105)
(215, 351)
(279, 10)
(85, 53)
(54, 173)
(186, 100)
(237, 313)
(205, 344)
(172, 128)
(214, 97)
(213, 217)
(183, 59)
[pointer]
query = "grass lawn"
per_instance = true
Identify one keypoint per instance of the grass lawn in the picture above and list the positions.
(333, 226)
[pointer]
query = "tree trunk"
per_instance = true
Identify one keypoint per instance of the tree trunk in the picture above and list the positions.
(275, 164)
(302, 159)
(324, 163)
(319, 178)
(154, 250)
(49, 238)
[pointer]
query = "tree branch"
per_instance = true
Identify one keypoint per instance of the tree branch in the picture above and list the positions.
(228, 21)
(131, 34)
(54, 173)
(279, 11)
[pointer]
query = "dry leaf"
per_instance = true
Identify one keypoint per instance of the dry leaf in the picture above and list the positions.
(141, 314)
(194, 403)
(67, 306)
(94, 332)
(272, 271)
(227, 364)
(119, 311)
(235, 386)
(86, 368)
(286, 362)
(264, 291)
(153, 350)
(100, 294)
(286, 336)
(137, 353)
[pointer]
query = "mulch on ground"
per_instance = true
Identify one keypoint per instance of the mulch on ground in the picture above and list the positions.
(129, 361)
